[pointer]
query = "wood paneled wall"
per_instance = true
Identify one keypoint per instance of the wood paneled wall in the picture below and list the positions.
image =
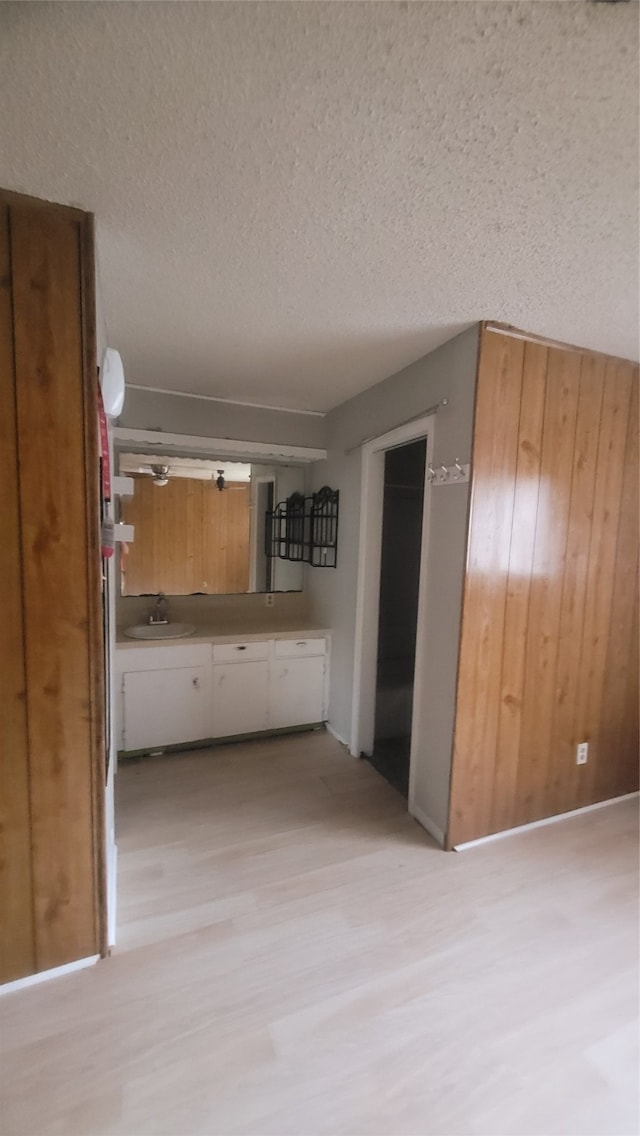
(51, 657)
(189, 537)
(549, 639)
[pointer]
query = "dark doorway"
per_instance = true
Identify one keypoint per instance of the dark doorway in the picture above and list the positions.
(404, 473)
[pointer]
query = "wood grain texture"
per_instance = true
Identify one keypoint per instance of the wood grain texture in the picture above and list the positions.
(295, 956)
(574, 586)
(603, 554)
(17, 947)
(518, 586)
(96, 581)
(619, 718)
(190, 537)
(492, 495)
(53, 318)
(549, 650)
(545, 598)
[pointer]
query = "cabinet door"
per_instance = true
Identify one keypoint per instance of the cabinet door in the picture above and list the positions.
(297, 692)
(165, 707)
(239, 698)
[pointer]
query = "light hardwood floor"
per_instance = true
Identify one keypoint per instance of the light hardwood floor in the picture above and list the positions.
(296, 957)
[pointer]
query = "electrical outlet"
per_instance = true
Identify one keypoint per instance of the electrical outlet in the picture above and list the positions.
(582, 753)
(270, 601)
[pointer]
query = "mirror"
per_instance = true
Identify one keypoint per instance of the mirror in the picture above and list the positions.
(200, 525)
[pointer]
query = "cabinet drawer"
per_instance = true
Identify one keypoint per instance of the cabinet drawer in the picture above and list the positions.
(240, 652)
(152, 657)
(299, 648)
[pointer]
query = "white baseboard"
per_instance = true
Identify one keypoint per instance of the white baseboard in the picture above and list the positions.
(45, 975)
(336, 735)
(429, 825)
(542, 823)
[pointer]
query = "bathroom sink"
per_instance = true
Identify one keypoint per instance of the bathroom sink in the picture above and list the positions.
(160, 631)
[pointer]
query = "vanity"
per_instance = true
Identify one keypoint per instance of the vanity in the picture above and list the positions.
(215, 660)
(218, 687)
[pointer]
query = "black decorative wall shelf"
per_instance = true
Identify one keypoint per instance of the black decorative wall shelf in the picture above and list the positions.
(305, 529)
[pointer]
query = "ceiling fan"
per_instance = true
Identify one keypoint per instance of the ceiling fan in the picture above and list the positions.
(161, 475)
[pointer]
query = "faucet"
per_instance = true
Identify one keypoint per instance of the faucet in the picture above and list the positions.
(160, 612)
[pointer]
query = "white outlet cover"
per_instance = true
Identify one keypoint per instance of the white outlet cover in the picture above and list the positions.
(582, 753)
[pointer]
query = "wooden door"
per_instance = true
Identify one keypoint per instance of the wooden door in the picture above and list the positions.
(17, 945)
(51, 658)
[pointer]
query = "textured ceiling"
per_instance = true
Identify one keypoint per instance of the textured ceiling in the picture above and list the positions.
(294, 200)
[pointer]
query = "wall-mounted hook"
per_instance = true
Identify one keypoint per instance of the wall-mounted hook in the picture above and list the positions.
(431, 473)
(454, 474)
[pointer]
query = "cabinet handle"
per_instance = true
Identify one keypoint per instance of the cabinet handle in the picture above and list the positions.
(196, 683)
(221, 680)
(302, 643)
(241, 648)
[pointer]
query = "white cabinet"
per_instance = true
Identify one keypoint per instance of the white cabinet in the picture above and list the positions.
(296, 695)
(240, 698)
(176, 694)
(165, 707)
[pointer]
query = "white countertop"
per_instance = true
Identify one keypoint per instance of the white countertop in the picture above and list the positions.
(226, 632)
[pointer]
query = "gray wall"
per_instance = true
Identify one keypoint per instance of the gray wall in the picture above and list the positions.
(177, 414)
(449, 372)
(288, 479)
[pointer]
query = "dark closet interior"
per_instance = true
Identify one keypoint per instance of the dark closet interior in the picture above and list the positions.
(399, 586)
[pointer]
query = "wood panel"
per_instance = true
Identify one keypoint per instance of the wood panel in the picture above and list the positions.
(549, 645)
(17, 947)
(603, 555)
(95, 578)
(190, 537)
(618, 726)
(576, 577)
(492, 495)
(545, 598)
(518, 586)
(51, 255)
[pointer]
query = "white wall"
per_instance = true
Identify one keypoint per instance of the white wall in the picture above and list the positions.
(449, 372)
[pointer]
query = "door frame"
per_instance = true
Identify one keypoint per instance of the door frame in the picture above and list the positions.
(368, 590)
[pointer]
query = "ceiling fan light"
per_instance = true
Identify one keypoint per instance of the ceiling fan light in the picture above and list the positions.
(160, 474)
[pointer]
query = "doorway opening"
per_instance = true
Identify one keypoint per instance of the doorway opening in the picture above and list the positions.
(404, 474)
(385, 681)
